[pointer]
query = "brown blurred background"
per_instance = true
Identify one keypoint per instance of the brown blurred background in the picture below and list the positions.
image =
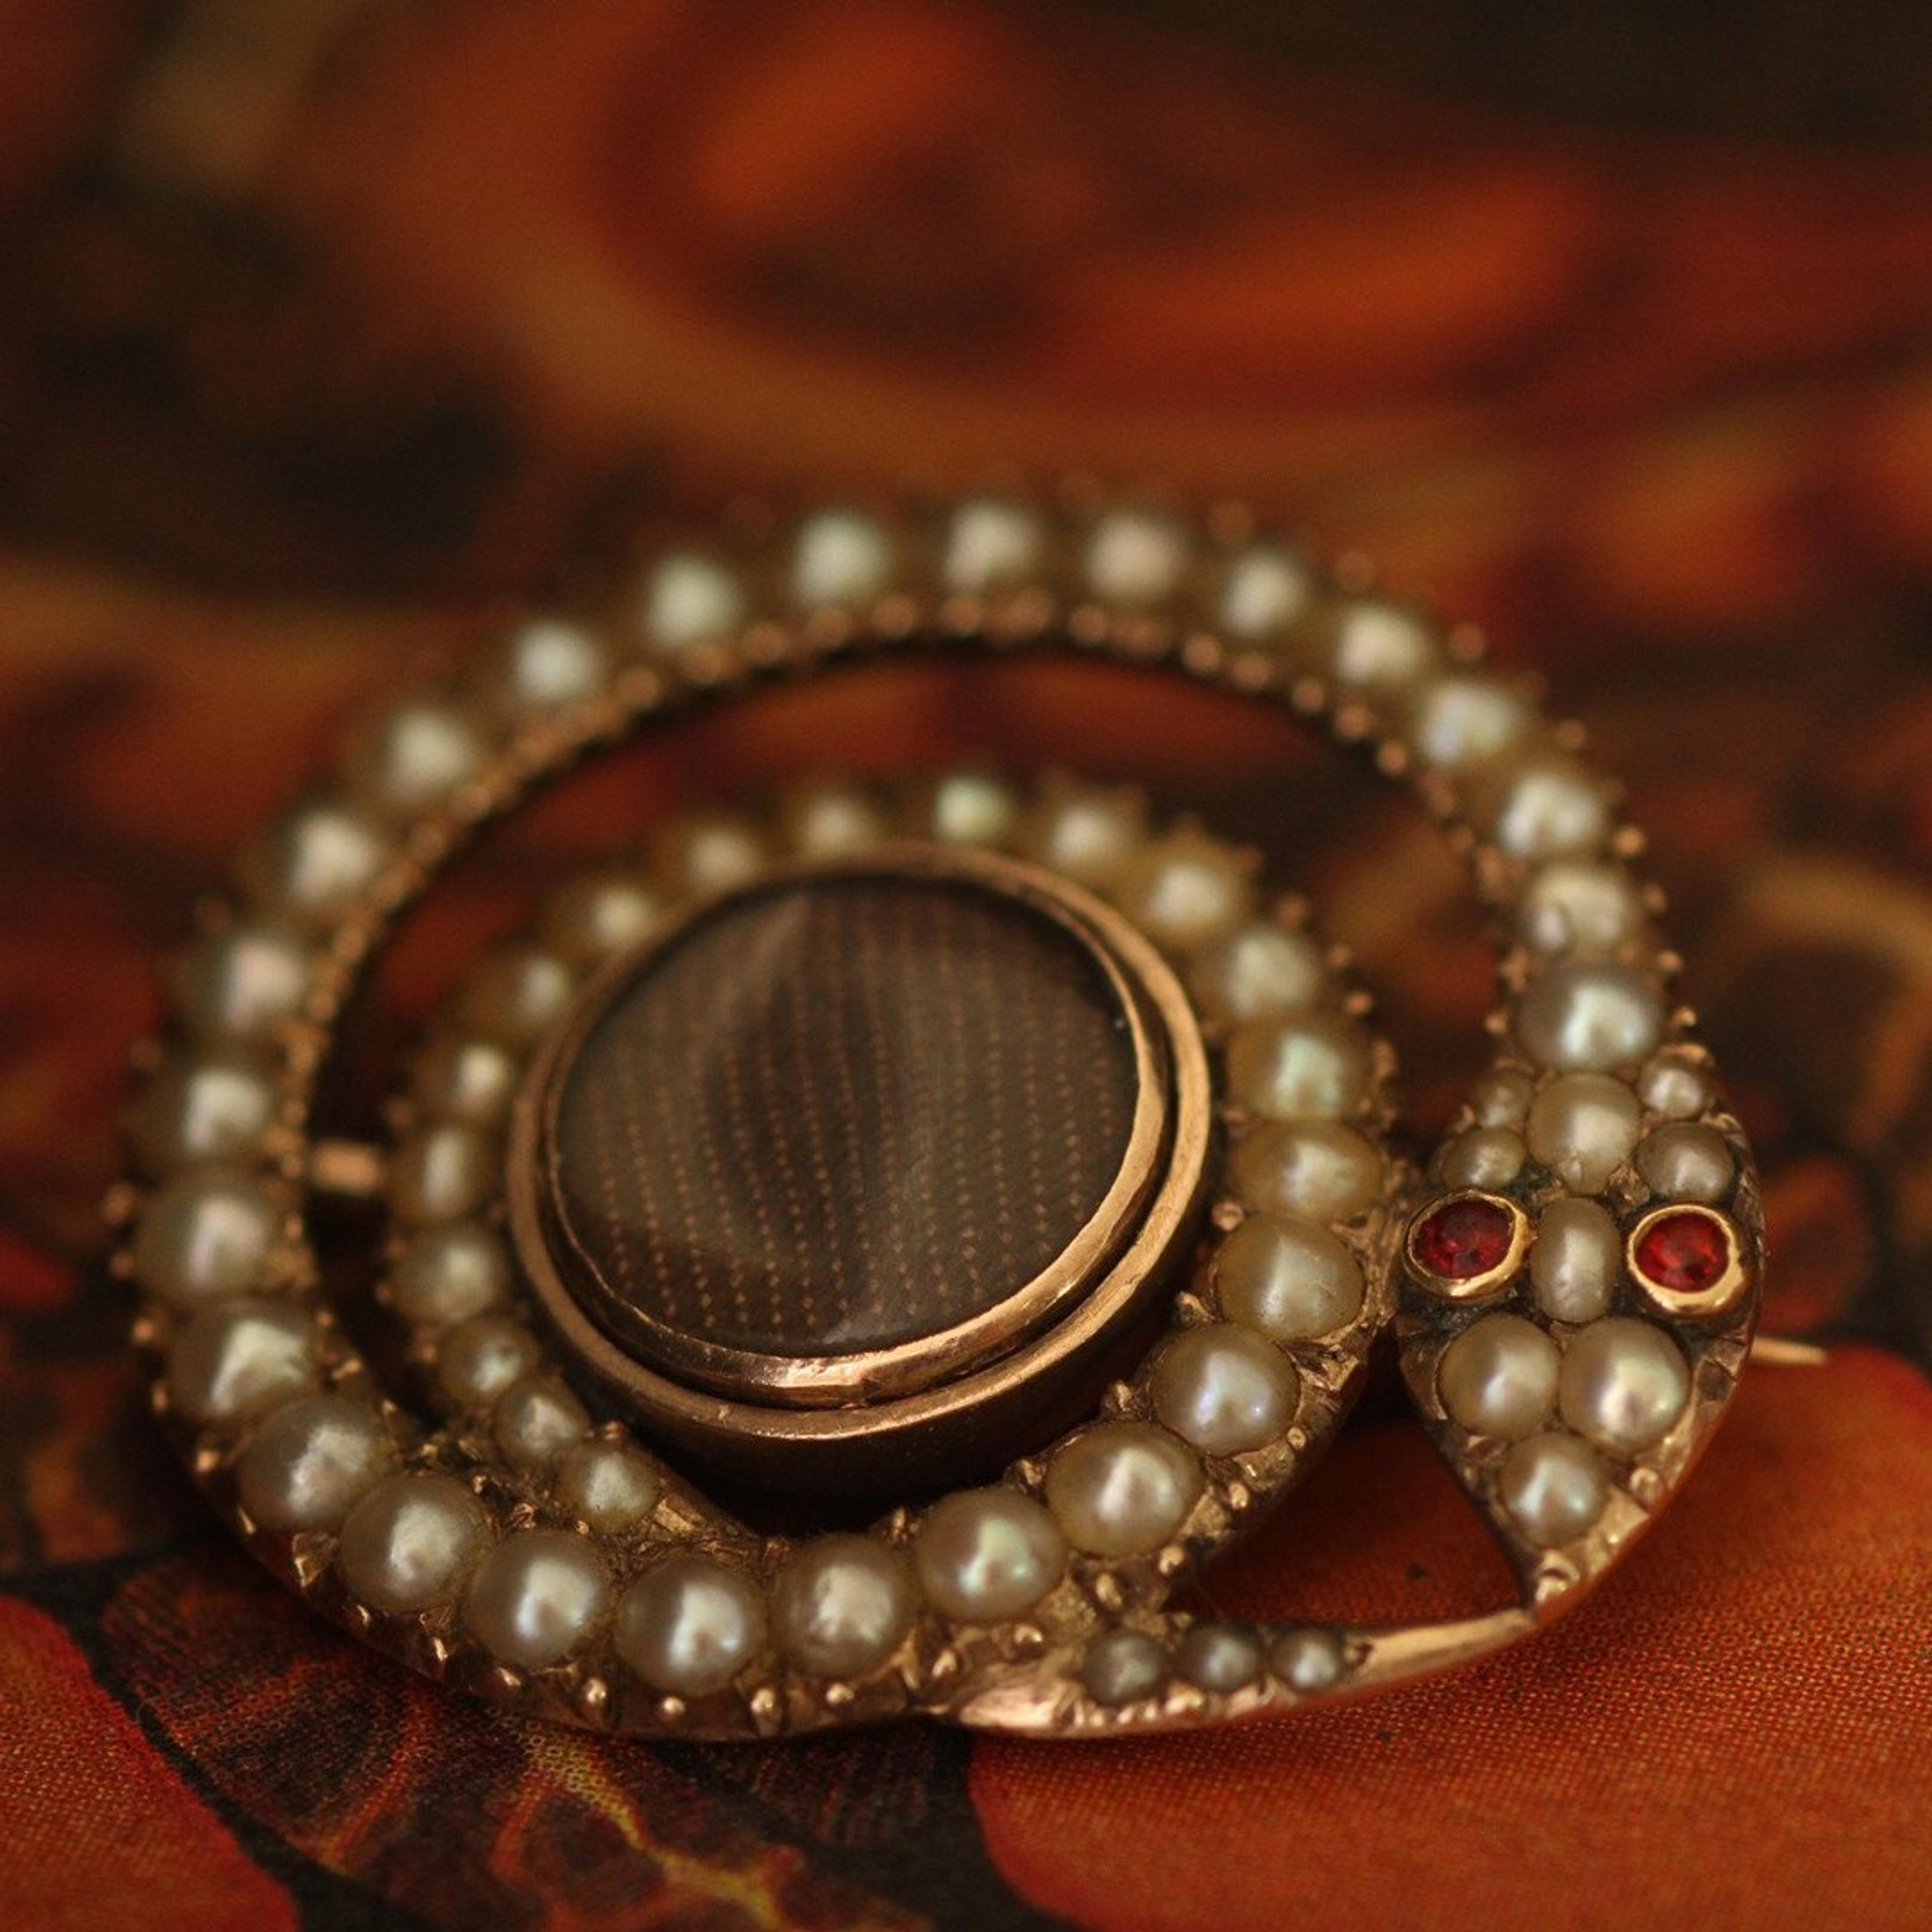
(1605, 318)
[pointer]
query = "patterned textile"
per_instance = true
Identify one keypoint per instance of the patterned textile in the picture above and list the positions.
(324, 324)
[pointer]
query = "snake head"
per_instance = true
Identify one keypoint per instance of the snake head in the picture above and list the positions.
(1578, 1284)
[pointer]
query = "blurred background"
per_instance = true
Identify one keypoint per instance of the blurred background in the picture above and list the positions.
(1608, 320)
(329, 327)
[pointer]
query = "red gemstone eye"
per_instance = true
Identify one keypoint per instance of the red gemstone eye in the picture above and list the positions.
(1461, 1240)
(1685, 1252)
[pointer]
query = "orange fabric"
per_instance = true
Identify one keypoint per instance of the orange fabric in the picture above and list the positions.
(100, 1833)
(1700, 1744)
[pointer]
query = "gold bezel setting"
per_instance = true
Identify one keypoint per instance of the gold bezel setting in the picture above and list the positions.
(1484, 1282)
(1171, 1103)
(1723, 1293)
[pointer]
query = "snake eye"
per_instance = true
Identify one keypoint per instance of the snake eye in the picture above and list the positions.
(1688, 1260)
(1468, 1246)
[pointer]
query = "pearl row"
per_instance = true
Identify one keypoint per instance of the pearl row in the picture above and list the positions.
(1117, 1491)
(1234, 1663)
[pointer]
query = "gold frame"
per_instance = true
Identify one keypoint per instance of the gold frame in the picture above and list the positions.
(1724, 1293)
(1491, 1281)
(955, 1394)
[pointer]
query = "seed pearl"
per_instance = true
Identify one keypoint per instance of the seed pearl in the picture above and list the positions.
(1548, 807)
(982, 1555)
(1264, 592)
(535, 1421)
(1087, 834)
(1576, 1261)
(1122, 1666)
(1379, 647)
(842, 1604)
(606, 1486)
(1623, 1383)
(1589, 1019)
(447, 1274)
(1119, 1489)
(1289, 1070)
(1257, 973)
(1309, 1170)
(1287, 1280)
(312, 1461)
(1501, 1097)
(689, 600)
(992, 546)
(1224, 1389)
(535, 1597)
(1186, 891)
(826, 821)
(480, 1358)
(1461, 722)
(408, 1543)
(595, 918)
(240, 1358)
(441, 1173)
(548, 663)
(515, 996)
(1674, 1088)
(1499, 1377)
(711, 852)
(242, 984)
(1579, 910)
(1554, 1488)
(204, 1236)
(310, 866)
(210, 1108)
(689, 1626)
(413, 758)
(1218, 1658)
(1135, 557)
(1484, 1157)
(973, 808)
(843, 557)
(1307, 1659)
(1582, 1128)
(1683, 1162)
(469, 1081)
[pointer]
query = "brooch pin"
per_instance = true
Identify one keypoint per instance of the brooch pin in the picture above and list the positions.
(990, 1169)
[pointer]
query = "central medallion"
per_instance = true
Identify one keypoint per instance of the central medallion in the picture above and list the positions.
(862, 1148)
(841, 1115)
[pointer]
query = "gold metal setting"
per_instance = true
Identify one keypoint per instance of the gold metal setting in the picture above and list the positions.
(819, 1421)
(1172, 1104)
(1487, 1281)
(1722, 1294)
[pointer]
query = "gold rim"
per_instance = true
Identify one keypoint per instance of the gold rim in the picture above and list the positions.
(1722, 1294)
(748, 1407)
(1491, 1281)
